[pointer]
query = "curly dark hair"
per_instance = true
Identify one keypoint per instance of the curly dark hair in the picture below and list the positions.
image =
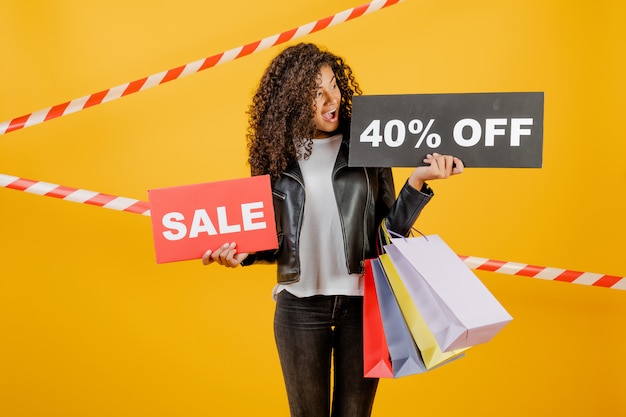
(280, 118)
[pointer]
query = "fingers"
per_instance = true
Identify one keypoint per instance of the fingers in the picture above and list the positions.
(437, 166)
(441, 166)
(446, 164)
(225, 255)
(206, 258)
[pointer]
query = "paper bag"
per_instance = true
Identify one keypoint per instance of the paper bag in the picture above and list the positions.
(376, 359)
(459, 310)
(431, 353)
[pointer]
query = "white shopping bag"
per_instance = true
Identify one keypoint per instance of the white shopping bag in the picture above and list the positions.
(457, 307)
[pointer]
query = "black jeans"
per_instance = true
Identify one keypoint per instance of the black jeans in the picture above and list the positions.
(309, 332)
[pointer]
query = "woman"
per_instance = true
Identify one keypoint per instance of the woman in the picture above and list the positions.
(328, 216)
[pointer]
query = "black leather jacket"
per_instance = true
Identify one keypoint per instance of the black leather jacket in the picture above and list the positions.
(364, 197)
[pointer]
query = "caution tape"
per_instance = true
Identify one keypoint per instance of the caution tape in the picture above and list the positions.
(131, 205)
(132, 87)
(547, 273)
(76, 195)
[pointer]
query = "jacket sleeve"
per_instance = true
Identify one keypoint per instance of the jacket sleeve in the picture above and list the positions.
(403, 210)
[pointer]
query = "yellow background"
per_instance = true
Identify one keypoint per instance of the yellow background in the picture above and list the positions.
(91, 326)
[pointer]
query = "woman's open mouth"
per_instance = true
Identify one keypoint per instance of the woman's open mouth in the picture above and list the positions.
(330, 116)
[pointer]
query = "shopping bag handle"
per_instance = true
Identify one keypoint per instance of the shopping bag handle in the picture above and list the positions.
(387, 233)
(394, 234)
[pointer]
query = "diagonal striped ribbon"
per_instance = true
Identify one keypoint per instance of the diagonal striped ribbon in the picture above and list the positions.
(76, 195)
(481, 264)
(131, 87)
(544, 272)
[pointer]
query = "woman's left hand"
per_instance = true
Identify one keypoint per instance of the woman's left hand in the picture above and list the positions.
(439, 166)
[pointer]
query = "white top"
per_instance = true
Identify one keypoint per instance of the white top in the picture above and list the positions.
(323, 266)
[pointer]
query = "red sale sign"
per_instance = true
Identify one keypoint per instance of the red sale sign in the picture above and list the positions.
(190, 219)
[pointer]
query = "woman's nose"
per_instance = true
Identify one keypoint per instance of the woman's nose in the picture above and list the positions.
(329, 98)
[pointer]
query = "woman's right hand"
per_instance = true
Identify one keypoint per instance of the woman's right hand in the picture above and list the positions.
(439, 166)
(225, 255)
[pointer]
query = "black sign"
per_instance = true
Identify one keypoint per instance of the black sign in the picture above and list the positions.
(494, 130)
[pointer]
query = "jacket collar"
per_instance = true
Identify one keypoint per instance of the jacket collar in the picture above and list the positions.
(293, 170)
(342, 155)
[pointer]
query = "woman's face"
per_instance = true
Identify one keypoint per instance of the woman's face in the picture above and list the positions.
(326, 104)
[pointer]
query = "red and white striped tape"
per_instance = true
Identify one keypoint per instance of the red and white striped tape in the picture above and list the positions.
(547, 273)
(76, 195)
(142, 207)
(128, 88)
